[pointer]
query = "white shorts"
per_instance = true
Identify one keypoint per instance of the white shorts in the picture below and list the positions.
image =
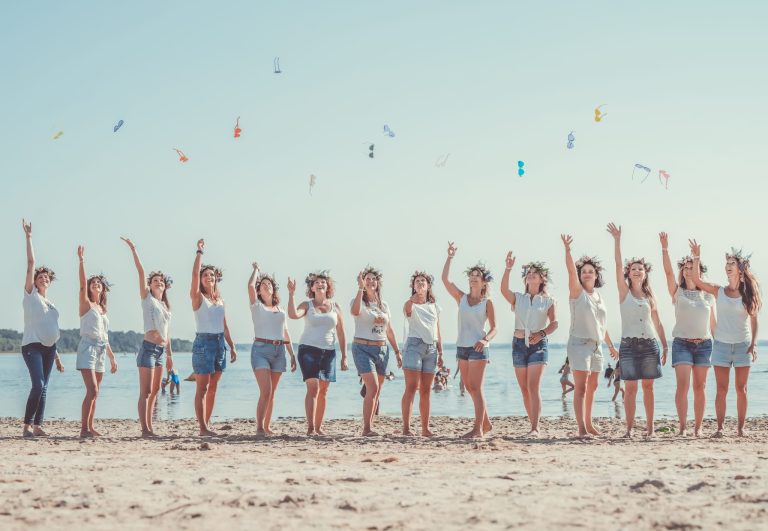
(585, 354)
(90, 355)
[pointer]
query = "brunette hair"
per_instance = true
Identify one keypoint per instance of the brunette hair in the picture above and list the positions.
(44, 269)
(218, 277)
(325, 275)
(595, 263)
(646, 287)
(168, 282)
(681, 265)
(275, 296)
(542, 270)
(749, 287)
(485, 273)
(105, 285)
(426, 276)
(377, 274)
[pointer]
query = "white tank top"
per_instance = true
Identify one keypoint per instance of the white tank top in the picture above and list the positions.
(471, 322)
(267, 324)
(41, 320)
(636, 317)
(732, 319)
(531, 312)
(588, 314)
(692, 310)
(320, 328)
(372, 321)
(209, 317)
(156, 316)
(94, 326)
(423, 322)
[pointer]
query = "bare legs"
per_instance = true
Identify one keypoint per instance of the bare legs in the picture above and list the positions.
(529, 380)
(314, 405)
(472, 374)
(92, 381)
(149, 385)
(373, 382)
(630, 398)
(683, 375)
(421, 381)
(722, 377)
(267, 381)
(205, 397)
(583, 399)
(742, 375)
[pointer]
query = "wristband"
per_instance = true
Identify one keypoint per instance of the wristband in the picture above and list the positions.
(198, 252)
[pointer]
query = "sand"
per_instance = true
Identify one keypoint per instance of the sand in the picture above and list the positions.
(180, 481)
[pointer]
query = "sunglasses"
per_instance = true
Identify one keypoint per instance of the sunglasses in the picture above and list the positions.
(520, 170)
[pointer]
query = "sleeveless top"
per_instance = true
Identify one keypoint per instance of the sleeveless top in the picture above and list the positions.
(732, 319)
(422, 323)
(366, 325)
(471, 322)
(209, 317)
(588, 316)
(156, 316)
(266, 323)
(320, 328)
(692, 310)
(636, 317)
(94, 326)
(41, 320)
(531, 312)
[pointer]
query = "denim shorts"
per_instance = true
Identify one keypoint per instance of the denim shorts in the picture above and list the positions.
(731, 354)
(91, 354)
(317, 363)
(584, 354)
(209, 353)
(150, 355)
(369, 358)
(686, 352)
(523, 356)
(419, 356)
(470, 354)
(639, 359)
(268, 356)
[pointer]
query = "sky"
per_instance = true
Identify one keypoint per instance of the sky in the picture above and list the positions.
(490, 83)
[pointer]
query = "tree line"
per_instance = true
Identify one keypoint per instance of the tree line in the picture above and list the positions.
(10, 341)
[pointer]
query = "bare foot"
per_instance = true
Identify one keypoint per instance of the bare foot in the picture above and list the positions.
(718, 434)
(594, 431)
(269, 431)
(260, 434)
(146, 434)
(370, 433)
(207, 433)
(85, 434)
(742, 433)
(27, 433)
(584, 435)
(487, 426)
(649, 435)
(697, 432)
(628, 434)
(533, 434)
(682, 433)
(310, 431)
(320, 432)
(408, 433)
(473, 434)
(37, 431)
(427, 433)
(95, 433)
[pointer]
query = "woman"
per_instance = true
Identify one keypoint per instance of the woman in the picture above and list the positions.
(587, 334)
(534, 321)
(94, 342)
(692, 343)
(565, 381)
(156, 311)
(423, 351)
(271, 339)
(323, 323)
(209, 355)
(38, 344)
(475, 308)
(738, 304)
(615, 380)
(639, 350)
(373, 327)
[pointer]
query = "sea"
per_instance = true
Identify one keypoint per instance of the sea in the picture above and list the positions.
(238, 392)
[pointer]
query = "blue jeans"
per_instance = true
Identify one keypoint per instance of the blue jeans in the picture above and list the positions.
(470, 354)
(39, 360)
(150, 355)
(639, 359)
(523, 356)
(689, 353)
(370, 358)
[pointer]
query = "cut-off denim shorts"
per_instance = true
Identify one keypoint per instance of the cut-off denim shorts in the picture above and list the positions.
(419, 356)
(523, 356)
(150, 355)
(470, 354)
(731, 354)
(318, 363)
(370, 358)
(91, 354)
(584, 354)
(639, 359)
(686, 352)
(268, 356)
(209, 353)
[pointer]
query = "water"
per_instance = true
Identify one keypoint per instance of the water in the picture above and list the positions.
(238, 392)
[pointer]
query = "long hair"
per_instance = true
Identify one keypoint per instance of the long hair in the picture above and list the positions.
(645, 287)
(542, 270)
(266, 278)
(681, 265)
(102, 302)
(485, 274)
(426, 276)
(595, 263)
(378, 276)
(324, 275)
(44, 269)
(749, 287)
(217, 277)
(168, 282)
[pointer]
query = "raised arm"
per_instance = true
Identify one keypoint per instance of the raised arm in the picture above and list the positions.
(29, 281)
(292, 311)
(668, 271)
(615, 231)
(85, 304)
(194, 290)
(574, 286)
(143, 288)
(355, 310)
(704, 286)
(455, 292)
(252, 295)
(505, 291)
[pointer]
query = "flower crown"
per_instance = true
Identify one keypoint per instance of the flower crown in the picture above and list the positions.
(45, 269)
(166, 278)
(633, 260)
(324, 273)
(487, 276)
(102, 279)
(539, 267)
(741, 257)
(266, 276)
(591, 260)
(372, 271)
(688, 258)
(216, 271)
(424, 274)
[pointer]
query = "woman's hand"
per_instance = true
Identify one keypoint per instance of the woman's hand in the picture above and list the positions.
(452, 250)
(291, 286)
(129, 242)
(481, 345)
(201, 245)
(510, 260)
(344, 365)
(233, 356)
(113, 363)
(664, 355)
(536, 337)
(255, 266)
(59, 365)
(80, 252)
(293, 363)
(614, 230)
(27, 228)
(399, 358)
(614, 352)
(360, 281)
(752, 350)
(695, 248)
(440, 363)
(567, 241)
(664, 239)
(169, 363)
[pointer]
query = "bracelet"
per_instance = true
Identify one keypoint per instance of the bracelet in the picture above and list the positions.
(198, 252)
(664, 250)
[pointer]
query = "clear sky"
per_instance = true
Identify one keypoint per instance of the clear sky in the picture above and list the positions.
(490, 83)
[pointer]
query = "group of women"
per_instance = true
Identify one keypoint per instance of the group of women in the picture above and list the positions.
(714, 325)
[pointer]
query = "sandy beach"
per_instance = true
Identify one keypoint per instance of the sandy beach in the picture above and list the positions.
(389, 482)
